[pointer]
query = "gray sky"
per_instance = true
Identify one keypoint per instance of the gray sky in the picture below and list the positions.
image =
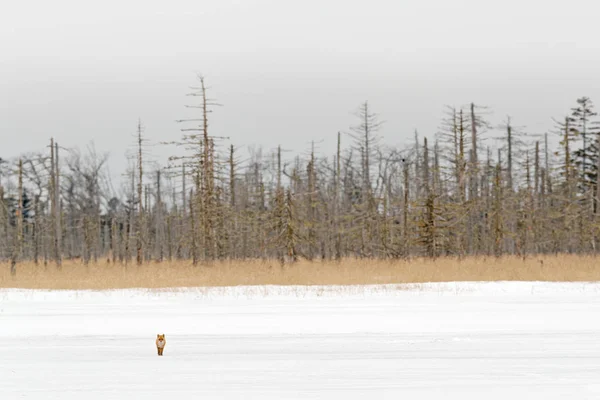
(286, 72)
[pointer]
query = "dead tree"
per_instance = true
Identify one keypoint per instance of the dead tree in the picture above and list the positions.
(18, 240)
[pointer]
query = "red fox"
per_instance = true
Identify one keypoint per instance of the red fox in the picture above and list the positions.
(160, 343)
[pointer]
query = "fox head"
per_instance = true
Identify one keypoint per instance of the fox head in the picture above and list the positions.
(160, 337)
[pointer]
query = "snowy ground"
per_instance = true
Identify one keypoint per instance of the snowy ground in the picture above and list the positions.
(452, 341)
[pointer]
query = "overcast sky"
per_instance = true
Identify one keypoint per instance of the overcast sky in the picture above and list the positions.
(287, 72)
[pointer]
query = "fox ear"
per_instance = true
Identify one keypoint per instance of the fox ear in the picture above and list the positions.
(157, 336)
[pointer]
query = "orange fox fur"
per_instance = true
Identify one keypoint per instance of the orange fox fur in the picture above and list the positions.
(160, 343)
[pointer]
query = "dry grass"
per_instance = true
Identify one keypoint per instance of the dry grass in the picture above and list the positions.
(348, 272)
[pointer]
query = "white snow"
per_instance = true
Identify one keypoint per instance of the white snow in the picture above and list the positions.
(463, 341)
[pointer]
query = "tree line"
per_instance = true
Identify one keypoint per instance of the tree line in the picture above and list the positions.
(469, 189)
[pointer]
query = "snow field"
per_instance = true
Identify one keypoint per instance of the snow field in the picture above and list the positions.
(453, 340)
